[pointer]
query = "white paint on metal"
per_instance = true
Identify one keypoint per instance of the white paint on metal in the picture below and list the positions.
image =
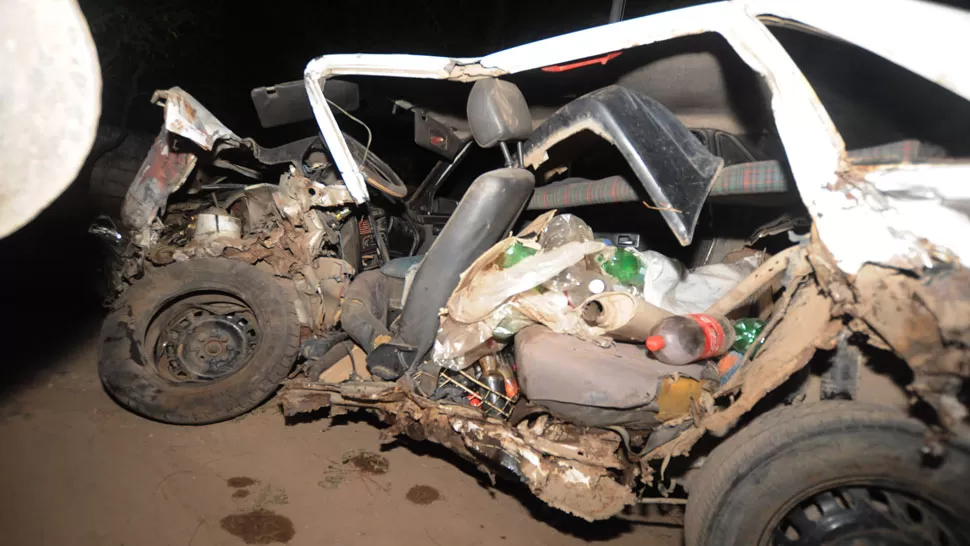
(942, 181)
(318, 70)
(186, 117)
(855, 230)
(926, 38)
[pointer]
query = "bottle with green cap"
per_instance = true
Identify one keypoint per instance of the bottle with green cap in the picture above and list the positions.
(624, 266)
(747, 331)
(515, 254)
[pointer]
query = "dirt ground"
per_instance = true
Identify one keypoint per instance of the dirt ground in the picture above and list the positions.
(76, 469)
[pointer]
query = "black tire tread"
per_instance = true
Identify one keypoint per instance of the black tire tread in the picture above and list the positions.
(774, 431)
(218, 404)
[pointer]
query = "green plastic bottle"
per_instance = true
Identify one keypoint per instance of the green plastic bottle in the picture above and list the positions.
(515, 254)
(747, 331)
(623, 266)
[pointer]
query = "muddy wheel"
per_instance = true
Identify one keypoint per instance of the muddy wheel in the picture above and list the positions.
(199, 341)
(838, 473)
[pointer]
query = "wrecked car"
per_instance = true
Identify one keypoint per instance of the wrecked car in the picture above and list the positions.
(658, 294)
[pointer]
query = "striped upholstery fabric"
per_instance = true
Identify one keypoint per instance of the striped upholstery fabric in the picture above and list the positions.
(770, 176)
(742, 179)
(748, 178)
(577, 192)
(904, 151)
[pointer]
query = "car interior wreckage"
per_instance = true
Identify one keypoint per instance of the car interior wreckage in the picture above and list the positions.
(645, 269)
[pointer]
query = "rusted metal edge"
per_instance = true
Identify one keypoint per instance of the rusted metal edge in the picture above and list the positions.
(574, 481)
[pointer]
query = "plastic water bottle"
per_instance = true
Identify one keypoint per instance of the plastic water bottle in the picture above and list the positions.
(684, 339)
(585, 284)
(624, 266)
(747, 331)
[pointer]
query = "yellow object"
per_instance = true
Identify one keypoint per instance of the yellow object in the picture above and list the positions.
(676, 396)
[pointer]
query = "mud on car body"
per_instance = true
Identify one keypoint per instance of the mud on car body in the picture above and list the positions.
(253, 275)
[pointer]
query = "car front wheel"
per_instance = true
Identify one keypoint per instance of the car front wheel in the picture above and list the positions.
(199, 341)
(830, 473)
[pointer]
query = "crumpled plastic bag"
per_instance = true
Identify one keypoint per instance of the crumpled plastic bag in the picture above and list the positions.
(491, 303)
(670, 286)
(459, 344)
(483, 290)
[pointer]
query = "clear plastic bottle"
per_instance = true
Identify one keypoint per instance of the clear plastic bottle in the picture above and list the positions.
(684, 339)
(565, 228)
(586, 284)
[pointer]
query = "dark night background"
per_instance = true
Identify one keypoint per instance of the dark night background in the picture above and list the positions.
(219, 50)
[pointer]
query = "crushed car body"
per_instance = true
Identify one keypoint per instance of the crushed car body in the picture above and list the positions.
(511, 329)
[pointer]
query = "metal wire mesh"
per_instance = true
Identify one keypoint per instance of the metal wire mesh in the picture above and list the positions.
(492, 400)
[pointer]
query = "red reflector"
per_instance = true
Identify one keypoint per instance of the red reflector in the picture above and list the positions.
(579, 64)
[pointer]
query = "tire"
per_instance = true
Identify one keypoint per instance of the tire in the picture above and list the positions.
(135, 374)
(753, 482)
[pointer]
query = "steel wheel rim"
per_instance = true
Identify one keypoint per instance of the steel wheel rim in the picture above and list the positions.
(862, 514)
(203, 337)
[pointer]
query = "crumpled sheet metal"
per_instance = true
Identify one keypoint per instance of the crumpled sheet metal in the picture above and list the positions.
(593, 446)
(290, 251)
(577, 480)
(926, 321)
(803, 323)
(301, 193)
(583, 490)
(807, 325)
(162, 173)
(186, 117)
(279, 260)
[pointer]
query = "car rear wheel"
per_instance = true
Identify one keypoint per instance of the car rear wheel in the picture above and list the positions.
(199, 341)
(832, 473)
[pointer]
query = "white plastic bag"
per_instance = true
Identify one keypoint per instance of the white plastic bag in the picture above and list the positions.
(481, 292)
(672, 287)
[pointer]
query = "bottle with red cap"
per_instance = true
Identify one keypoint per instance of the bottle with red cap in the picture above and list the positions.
(683, 339)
